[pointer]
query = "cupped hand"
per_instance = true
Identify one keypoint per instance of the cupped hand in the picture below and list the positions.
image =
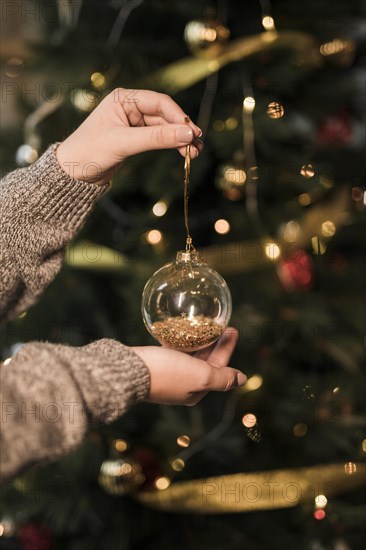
(125, 123)
(180, 379)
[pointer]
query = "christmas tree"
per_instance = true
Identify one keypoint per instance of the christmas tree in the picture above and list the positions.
(277, 202)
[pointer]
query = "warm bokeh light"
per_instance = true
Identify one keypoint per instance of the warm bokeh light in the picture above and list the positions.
(154, 236)
(300, 429)
(120, 445)
(98, 81)
(268, 23)
(275, 110)
(253, 173)
(14, 67)
(321, 501)
(336, 390)
(333, 47)
(307, 171)
(304, 199)
(6, 361)
(291, 231)
(162, 483)
(183, 440)
(160, 208)
(177, 464)
(253, 383)
(328, 228)
(222, 227)
(235, 176)
(233, 194)
(84, 100)
(350, 468)
(364, 445)
(249, 104)
(218, 125)
(249, 420)
(231, 123)
(319, 247)
(357, 194)
(272, 251)
(319, 514)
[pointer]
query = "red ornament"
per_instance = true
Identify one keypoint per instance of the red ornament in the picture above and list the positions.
(335, 130)
(34, 536)
(296, 271)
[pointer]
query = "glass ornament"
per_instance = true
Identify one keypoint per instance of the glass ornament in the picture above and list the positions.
(186, 305)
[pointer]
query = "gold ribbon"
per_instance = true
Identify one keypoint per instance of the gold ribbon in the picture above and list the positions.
(256, 490)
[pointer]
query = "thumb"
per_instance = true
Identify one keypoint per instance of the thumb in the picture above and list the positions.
(148, 138)
(224, 379)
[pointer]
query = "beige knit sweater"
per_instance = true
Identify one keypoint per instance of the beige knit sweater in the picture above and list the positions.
(49, 392)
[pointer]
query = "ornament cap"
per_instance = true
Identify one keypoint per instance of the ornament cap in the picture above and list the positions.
(188, 256)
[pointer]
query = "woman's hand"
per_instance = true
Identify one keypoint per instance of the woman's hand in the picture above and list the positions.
(180, 379)
(125, 123)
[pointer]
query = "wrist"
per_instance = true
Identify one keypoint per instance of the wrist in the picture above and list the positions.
(73, 163)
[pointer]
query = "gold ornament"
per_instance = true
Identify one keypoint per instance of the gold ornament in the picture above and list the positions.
(205, 38)
(267, 490)
(121, 476)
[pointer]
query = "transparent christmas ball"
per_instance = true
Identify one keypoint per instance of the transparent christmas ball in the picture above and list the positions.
(186, 305)
(120, 476)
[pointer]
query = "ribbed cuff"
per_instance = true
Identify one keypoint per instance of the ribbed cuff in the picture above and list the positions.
(57, 197)
(111, 377)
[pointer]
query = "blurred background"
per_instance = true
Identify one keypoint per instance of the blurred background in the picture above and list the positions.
(277, 206)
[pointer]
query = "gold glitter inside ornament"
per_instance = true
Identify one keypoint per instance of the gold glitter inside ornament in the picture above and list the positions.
(186, 305)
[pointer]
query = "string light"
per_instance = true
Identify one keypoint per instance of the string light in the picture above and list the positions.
(249, 104)
(177, 464)
(350, 468)
(319, 514)
(272, 251)
(291, 231)
(160, 208)
(275, 110)
(364, 445)
(336, 390)
(307, 171)
(253, 383)
(249, 420)
(328, 228)
(222, 227)
(218, 125)
(300, 429)
(236, 176)
(231, 123)
(183, 440)
(98, 81)
(333, 47)
(321, 501)
(154, 236)
(84, 100)
(120, 445)
(162, 483)
(14, 67)
(319, 247)
(233, 194)
(268, 23)
(304, 199)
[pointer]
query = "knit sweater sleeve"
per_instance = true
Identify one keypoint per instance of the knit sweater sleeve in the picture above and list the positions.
(41, 209)
(50, 392)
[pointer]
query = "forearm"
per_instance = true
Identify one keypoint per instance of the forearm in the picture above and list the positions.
(49, 394)
(41, 210)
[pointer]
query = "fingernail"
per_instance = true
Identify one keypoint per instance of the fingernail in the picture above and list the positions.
(200, 134)
(241, 378)
(184, 135)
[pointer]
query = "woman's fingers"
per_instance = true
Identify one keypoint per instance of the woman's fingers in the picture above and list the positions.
(146, 138)
(148, 103)
(219, 353)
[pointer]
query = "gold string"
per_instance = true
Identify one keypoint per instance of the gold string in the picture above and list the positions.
(187, 171)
